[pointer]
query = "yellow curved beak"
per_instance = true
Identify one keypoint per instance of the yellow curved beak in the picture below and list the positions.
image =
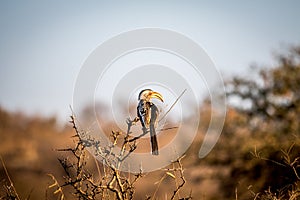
(156, 95)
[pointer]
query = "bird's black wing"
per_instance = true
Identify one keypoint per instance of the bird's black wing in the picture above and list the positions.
(141, 112)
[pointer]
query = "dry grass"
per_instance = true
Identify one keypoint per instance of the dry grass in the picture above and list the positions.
(233, 170)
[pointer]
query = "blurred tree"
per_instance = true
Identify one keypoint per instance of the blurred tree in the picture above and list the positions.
(273, 96)
(264, 115)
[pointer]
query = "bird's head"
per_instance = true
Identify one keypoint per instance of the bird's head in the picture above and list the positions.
(147, 94)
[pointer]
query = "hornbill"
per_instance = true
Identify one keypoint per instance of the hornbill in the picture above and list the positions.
(148, 113)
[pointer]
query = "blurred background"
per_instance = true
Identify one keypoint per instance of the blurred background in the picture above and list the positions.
(255, 46)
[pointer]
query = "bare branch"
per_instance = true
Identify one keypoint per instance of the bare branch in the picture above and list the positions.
(172, 105)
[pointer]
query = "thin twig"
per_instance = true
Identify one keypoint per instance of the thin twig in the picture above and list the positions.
(158, 185)
(58, 187)
(257, 155)
(138, 137)
(172, 105)
(181, 170)
(141, 135)
(9, 179)
(98, 168)
(169, 128)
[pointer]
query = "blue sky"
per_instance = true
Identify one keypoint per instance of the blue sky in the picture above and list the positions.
(44, 44)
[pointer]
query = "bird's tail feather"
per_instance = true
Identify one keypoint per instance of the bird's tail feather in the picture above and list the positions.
(154, 144)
